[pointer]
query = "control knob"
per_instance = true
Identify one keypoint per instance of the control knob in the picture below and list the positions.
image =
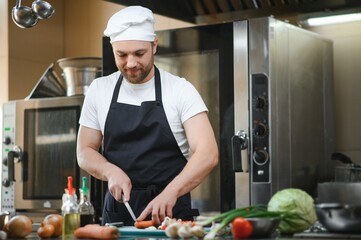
(7, 140)
(5, 161)
(260, 157)
(6, 182)
(260, 103)
(260, 130)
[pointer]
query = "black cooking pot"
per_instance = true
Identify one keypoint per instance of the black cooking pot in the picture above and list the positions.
(339, 218)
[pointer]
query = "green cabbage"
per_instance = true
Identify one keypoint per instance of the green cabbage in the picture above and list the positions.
(297, 202)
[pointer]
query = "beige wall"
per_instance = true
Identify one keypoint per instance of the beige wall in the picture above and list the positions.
(84, 28)
(347, 83)
(4, 52)
(4, 56)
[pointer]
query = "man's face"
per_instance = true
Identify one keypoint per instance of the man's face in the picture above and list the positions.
(135, 59)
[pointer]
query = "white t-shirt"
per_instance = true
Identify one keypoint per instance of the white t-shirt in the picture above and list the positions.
(181, 101)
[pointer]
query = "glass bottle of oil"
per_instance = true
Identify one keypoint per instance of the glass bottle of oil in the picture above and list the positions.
(86, 209)
(70, 211)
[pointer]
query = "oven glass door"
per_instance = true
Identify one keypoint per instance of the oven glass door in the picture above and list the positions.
(49, 151)
(47, 130)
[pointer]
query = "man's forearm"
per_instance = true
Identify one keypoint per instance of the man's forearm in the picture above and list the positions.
(94, 163)
(196, 170)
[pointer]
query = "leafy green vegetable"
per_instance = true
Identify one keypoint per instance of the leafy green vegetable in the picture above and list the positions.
(296, 201)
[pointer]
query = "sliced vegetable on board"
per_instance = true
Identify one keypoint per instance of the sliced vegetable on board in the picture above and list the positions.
(144, 224)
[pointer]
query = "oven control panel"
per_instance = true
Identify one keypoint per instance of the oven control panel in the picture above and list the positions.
(260, 129)
(8, 130)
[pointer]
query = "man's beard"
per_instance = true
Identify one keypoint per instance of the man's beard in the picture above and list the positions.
(139, 77)
(141, 74)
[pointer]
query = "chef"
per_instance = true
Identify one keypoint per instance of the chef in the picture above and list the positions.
(157, 142)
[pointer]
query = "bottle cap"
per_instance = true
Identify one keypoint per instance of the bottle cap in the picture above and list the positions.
(70, 190)
(84, 188)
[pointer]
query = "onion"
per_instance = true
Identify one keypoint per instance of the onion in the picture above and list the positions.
(19, 226)
(57, 221)
(46, 231)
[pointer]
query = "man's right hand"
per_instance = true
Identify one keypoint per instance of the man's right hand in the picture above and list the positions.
(118, 183)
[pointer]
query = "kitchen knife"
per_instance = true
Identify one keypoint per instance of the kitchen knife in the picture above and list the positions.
(129, 208)
(115, 224)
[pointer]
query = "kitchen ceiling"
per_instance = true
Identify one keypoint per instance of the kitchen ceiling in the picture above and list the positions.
(212, 11)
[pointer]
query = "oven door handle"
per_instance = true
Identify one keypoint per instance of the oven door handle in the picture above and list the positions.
(15, 154)
(239, 143)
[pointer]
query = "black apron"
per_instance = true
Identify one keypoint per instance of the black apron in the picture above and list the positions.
(139, 140)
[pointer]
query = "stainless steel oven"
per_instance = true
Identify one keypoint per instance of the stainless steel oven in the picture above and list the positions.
(39, 152)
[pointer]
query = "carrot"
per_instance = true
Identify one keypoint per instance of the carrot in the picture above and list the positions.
(96, 231)
(144, 224)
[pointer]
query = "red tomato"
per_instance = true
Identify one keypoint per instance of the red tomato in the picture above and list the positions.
(241, 228)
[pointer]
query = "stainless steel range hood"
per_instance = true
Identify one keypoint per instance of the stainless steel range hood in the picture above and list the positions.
(214, 11)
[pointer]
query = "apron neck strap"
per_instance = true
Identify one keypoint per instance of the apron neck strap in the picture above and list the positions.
(158, 89)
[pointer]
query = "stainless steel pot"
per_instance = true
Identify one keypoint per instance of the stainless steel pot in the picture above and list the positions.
(339, 218)
(79, 73)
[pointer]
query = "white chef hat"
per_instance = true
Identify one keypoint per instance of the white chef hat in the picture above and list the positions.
(131, 23)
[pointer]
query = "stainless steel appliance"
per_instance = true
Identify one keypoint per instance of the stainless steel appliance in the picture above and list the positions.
(39, 152)
(268, 87)
(39, 140)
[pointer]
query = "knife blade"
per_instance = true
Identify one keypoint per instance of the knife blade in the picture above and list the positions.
(129, 208)
(115, 224)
